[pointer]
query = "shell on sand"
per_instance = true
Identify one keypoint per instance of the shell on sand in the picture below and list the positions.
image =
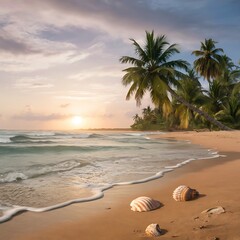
(153, 230)
(214, 210)
(184, 193)
(144, 204)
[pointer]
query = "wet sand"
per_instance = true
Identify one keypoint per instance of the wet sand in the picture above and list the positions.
(217, 180)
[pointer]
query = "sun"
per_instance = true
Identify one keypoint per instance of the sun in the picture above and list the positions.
(76, 120)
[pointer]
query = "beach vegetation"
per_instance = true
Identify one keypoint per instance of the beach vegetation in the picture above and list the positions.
(209, 61)
(178, 97)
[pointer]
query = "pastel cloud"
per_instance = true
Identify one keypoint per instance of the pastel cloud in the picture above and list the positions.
(65, 105)
(29, 27)
(58, 54)
(29, 116)
(118, 18)
(32, 83)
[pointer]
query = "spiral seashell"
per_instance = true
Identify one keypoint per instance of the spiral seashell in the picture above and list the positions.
(184, 193)
(153, 230)
(144, 204)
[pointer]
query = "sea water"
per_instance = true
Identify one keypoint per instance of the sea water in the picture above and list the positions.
(43, 170)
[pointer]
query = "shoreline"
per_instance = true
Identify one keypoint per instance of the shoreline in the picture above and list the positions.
(76, 221)
(80, 195)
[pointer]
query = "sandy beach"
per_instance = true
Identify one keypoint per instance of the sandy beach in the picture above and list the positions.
(217, 181)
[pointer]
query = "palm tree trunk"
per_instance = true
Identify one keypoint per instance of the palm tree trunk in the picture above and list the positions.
(200, 112)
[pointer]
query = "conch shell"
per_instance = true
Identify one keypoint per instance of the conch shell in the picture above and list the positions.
(153, 230)
(144, 204)
(184, 193)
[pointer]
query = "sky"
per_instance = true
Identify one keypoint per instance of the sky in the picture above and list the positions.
(59, 59)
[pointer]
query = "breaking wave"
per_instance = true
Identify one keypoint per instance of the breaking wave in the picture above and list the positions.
(40, 170)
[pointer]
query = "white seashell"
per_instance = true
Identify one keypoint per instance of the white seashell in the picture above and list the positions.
(214, 210)
(184, 193)
(144, 204)
(153, 230)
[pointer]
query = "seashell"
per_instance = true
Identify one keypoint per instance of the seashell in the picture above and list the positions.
(144, 204)
(214, 210)
(184, 193)
(153, 230)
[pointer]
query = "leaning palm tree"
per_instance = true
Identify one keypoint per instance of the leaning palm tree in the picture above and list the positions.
(209, 61)
(154, 71)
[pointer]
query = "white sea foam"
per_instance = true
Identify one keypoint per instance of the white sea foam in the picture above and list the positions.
(12, 177)
(5, 140)
(98, 193)
(36, 171)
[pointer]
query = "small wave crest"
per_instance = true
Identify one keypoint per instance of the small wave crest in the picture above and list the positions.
(79, 135)
(28, 139)
(40, 170)
(59, 149)
(20, 138)
(95, 135)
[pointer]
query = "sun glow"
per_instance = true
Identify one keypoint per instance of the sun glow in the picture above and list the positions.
(76, 121)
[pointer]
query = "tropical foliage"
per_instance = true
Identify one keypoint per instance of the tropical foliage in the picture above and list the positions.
(209, 62)
(178, 97)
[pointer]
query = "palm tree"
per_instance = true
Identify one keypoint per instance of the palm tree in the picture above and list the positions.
(136, 118)
(216, 95)
(154, 71)
(147, 113)
(231, 110)
(189, 88)
(221, 94)
(209, 62)
(230, 75)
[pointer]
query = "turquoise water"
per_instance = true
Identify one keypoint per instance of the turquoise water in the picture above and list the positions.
(41, 169)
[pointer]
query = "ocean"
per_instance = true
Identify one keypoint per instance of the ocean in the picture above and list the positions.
(44, 170)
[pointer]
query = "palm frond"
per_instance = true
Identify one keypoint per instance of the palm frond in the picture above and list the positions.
(131, 60)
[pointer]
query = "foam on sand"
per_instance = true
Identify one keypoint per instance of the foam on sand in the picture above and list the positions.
(97, 193)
